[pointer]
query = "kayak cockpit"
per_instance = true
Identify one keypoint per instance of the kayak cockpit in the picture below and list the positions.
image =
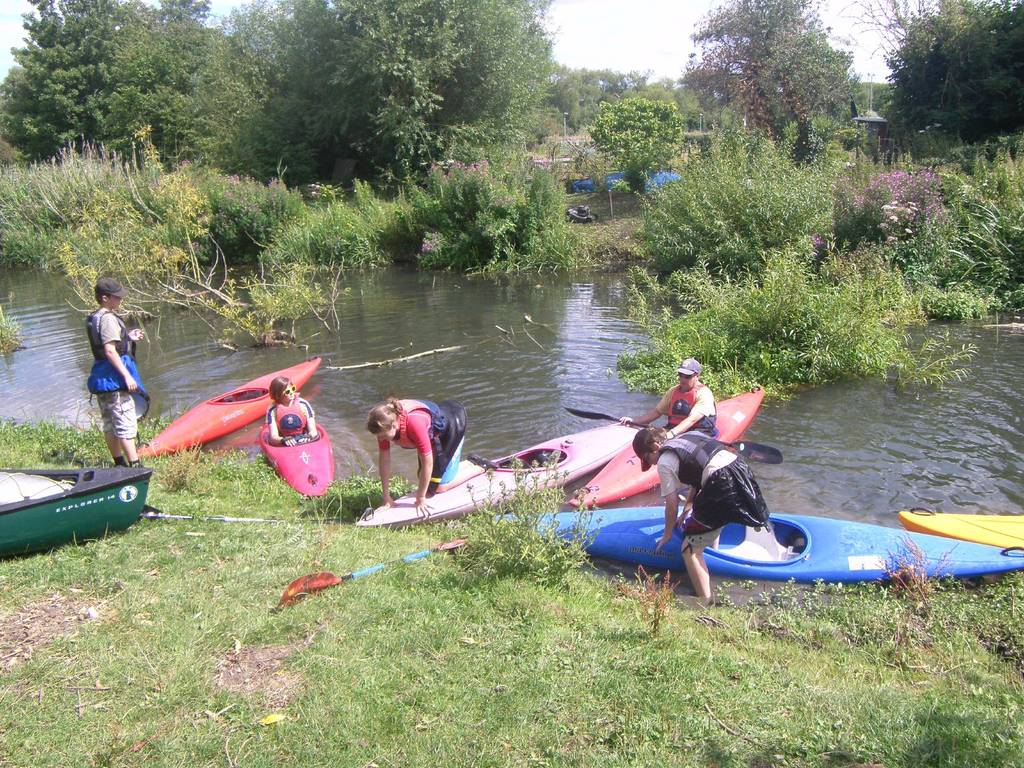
(780, 543)
(241, 396)
(538, 458)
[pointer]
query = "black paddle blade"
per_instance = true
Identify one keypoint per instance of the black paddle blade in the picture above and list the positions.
(591, 414)
(765, 454)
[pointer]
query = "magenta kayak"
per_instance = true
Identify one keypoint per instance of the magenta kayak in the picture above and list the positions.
(546, 465)
(306, 467)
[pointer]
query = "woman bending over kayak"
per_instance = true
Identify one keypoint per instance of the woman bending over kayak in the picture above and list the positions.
(435, 430)
(291, 419)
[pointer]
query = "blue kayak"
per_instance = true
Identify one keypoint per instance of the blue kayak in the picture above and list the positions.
(798, 547)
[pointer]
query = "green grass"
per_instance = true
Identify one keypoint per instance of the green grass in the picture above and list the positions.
(425, 665)
(10, 333)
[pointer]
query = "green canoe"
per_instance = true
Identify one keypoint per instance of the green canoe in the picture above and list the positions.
(41, 509)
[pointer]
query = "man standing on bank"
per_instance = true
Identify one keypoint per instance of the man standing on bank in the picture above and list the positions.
(689, 405)
(114, 376)
(722, 490)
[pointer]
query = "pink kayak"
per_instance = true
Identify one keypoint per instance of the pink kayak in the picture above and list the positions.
(622, 477)
(307, 467)
(225, 413)
(547, 465)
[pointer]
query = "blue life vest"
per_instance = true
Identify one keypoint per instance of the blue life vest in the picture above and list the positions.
(104, 377)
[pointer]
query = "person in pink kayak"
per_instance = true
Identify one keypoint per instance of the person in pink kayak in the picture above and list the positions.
(290, 419)
(721, 490)
(435, 430)
(689, 405)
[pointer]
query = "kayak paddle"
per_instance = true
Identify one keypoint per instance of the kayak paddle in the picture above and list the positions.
(766, 454)
(141, 398)
(317, 582)
(152, 513)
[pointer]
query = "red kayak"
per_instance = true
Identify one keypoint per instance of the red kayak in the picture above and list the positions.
(622, 477)
(307, 467)
(221, 415)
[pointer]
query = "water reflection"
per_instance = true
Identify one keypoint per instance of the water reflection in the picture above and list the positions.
(858, 450)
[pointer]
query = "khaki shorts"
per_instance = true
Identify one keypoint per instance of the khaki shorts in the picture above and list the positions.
(697, 536)
(118, 412)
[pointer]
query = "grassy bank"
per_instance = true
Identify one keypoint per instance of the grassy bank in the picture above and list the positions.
(158, 647)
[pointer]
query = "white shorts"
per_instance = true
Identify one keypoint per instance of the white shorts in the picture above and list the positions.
(118, 412)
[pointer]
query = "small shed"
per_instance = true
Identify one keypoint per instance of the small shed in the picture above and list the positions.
(877, 128)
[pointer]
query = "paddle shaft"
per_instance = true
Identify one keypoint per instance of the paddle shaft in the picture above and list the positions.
(766, 454)
(317, 582)
(152, 513)
(380, 566)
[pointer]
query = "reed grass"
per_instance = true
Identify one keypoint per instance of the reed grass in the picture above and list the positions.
(10, 333)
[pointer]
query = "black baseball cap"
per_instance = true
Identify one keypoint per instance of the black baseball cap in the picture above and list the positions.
(108, 286)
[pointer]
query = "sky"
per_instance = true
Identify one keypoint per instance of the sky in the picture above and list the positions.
(625, 35)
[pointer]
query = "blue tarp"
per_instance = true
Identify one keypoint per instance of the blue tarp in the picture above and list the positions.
(658, 179)
(655, 180)
(611, 178)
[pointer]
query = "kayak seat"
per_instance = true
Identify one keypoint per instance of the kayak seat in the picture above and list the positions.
(763, 545)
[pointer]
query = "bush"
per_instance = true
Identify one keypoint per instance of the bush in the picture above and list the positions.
(363, 232)
(790, 328)
(740, 198)
(336, 235)
(891, 207)
(641, 135)
(986, 247)
(958, 304)
(473, 217)
(245, 214)
(508, 539)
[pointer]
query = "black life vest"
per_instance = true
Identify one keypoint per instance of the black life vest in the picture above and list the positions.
(694, 450)
(92, 327)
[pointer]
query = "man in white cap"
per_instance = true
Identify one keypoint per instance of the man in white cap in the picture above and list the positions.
(689, 405)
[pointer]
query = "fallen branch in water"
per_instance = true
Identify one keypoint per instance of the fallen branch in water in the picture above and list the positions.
(530, 335)
(392, 361)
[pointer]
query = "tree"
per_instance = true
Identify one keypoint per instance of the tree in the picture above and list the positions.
(57, 93)
(641, 134)
(104, 71)
(960, 69)
(891, 19)
(394, 85)
(771, 60)
(153, 74)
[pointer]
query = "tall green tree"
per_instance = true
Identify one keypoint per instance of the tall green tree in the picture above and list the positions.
(772, 62)
(394, 85)
(640, 134)
(960, 69)
(104, 70)
(154, 73)
(58, 91)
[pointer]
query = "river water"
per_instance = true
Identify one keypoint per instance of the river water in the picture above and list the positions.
(529, 347)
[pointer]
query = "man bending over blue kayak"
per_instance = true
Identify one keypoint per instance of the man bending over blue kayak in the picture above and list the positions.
(722, 490)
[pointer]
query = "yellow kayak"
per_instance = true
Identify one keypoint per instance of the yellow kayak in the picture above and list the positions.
(997, 530)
